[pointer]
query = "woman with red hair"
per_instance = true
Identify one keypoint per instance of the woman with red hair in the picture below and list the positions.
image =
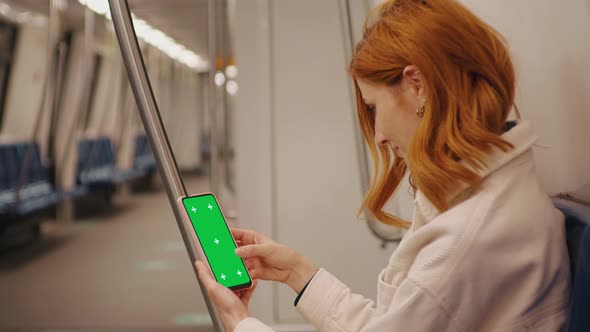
(486, 248)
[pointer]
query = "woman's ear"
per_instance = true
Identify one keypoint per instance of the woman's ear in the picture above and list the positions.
(413, 78)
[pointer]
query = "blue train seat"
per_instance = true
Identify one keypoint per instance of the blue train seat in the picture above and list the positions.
(96, 165)
(144, 160)
(36, 193)
(9, 173)
(578, 240)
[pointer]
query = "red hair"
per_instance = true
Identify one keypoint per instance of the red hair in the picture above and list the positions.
(469, 84)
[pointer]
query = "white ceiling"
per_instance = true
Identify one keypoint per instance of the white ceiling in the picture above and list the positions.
(183, 20)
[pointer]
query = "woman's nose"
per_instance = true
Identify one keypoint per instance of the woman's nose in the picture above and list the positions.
(380, 139)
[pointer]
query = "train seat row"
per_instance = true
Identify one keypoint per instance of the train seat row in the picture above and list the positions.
(97, 168)
(26, 190)
(22, 194)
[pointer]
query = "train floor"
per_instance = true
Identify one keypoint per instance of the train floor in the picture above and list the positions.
(123, 270)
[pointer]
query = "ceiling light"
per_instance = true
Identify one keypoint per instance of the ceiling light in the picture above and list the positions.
(231, 87)
(219, 78)
(231, 71)
(152, 36)
(100, 7)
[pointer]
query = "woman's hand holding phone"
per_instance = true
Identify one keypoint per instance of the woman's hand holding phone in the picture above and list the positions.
(232, 306)
(268, 260)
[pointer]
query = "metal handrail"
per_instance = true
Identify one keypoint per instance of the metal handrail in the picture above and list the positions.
(126, 112)
(43, 105)
(83, 109)
(86, 105)
(212, 98)
(62, 48)
(346, 19)
(99, 130)
(154, 128)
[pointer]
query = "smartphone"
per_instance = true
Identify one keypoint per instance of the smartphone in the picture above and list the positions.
(217, 243)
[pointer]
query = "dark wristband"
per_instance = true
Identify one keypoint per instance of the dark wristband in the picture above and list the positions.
(303, 290)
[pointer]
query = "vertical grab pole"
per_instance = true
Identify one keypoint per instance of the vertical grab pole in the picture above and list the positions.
(43, 107)
(154, 128)
(346, 20)
(212, 101)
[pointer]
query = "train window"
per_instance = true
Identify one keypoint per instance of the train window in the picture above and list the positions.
(97, 64)
(7, 45)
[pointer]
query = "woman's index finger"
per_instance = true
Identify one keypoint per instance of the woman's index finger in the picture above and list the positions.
(245, 236)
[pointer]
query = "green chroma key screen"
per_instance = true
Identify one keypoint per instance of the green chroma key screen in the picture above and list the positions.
(216, 240)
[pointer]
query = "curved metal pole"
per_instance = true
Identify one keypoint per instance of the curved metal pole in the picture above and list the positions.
(154, 128)
(46, 99)
(361, 149)
(83, 103)
(90, 63)
(214, 164)
(30, 146)
(123, 108)
(62, 48)
(225, 43)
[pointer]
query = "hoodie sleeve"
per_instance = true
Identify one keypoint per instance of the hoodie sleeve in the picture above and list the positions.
(329, 305)
(251, 324)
